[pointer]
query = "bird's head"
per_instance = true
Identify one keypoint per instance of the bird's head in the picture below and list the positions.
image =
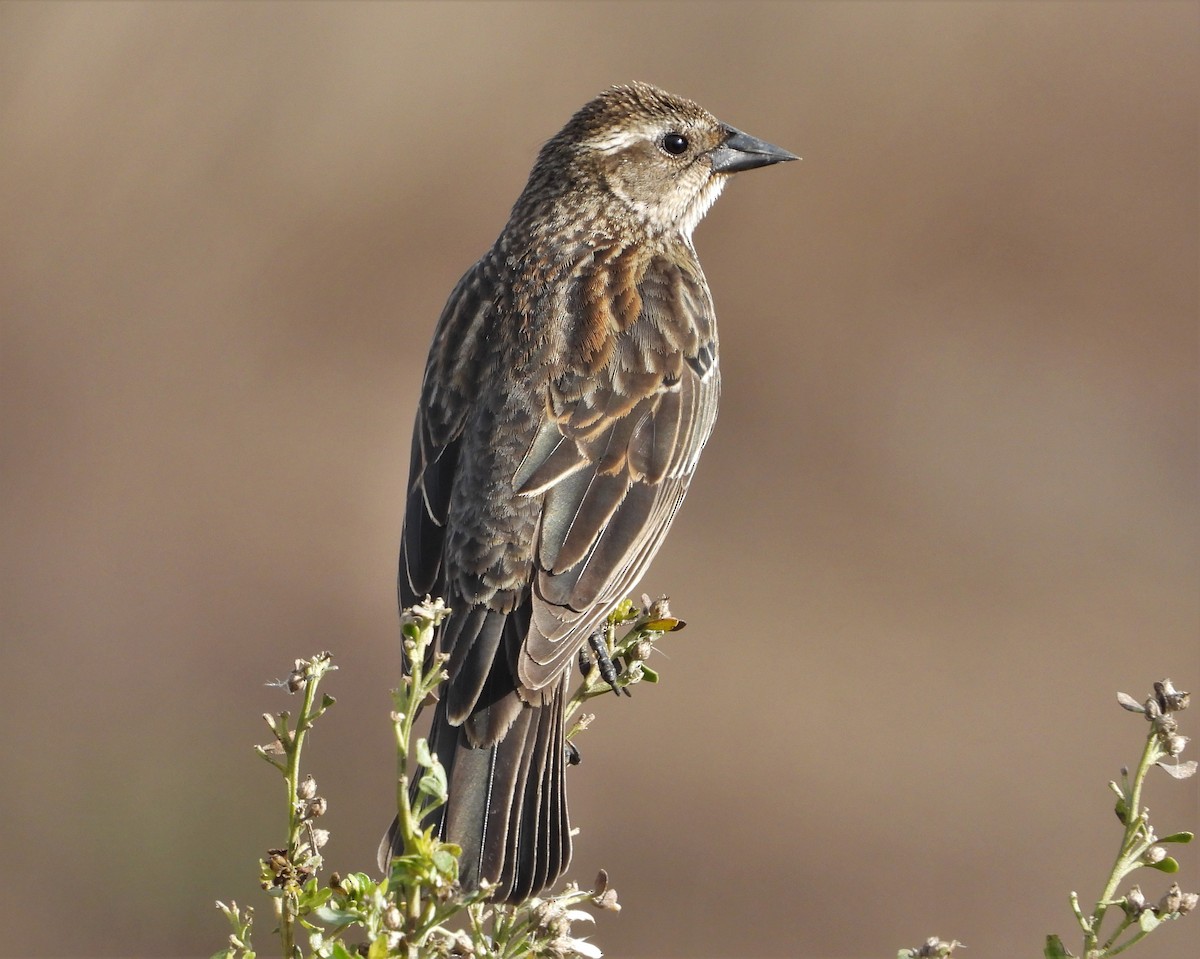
(661, 159)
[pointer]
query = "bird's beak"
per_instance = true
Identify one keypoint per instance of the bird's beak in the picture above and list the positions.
(740, 151)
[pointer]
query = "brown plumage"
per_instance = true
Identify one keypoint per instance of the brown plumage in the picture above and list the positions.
(571, 385)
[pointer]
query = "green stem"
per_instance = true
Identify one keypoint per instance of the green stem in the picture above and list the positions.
(408, 701)
(1108, 943)
(408, 825)
(403, 739)
(293, 746)
(583, 692)
(1134, 825)
(303, 723)
(1084, 921)
(1141, 934)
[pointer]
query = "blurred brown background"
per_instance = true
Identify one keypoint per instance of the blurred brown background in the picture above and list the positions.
(950, 508)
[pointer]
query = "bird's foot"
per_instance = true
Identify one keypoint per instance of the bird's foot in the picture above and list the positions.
(608, 671)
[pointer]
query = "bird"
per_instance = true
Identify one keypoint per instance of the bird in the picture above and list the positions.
(570, 388)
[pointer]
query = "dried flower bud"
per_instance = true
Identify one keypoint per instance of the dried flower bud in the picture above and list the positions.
(659, 609)
(1134, 903)
(393, 918)
(1174, 745)
(1164, 725)
(277, 864)
(1170, 902)
(1188, 903)
(548, 912)
(657, 616)
(307, 788)
(934, 948)
(314, 807)
(1154, 854)
(1169, 698)
(296, 679)
(434, 610)
(320, 837)
(607, 900)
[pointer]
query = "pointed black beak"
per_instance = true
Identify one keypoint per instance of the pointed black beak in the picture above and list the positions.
(740, 151)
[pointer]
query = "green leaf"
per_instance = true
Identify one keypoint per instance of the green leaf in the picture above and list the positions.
(1148, 921)
(1167, 865)
(446, 863)
(314, 897)
(341, 952)
(1055, 949)
(622, 611)
(379, 949)
(333, 916)
(1180, 837)
(424, 756)
(407, 870)
(355, 884)
(649, 675)
(434, 784)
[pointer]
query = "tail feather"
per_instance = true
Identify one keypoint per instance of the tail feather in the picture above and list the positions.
(507, 805)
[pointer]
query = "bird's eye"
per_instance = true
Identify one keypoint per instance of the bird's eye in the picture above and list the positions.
(675, 144)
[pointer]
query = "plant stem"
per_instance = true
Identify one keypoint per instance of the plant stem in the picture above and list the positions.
(293, 745)
(403, 730)
(1141, 934)
(1134, 826)
(1125, 924)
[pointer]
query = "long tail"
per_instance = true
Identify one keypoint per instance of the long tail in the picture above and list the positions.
(508, 803)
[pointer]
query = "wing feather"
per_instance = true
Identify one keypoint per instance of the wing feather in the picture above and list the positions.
(639, 426)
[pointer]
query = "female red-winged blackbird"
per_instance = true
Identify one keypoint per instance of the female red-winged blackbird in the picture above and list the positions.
(570, 388)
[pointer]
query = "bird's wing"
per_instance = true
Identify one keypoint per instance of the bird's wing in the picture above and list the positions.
(447, 395)
(614, 454)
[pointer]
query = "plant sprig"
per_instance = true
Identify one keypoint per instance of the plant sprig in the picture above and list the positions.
(419, 910)
(1140, 847)
(289, 873)
(627, 654)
